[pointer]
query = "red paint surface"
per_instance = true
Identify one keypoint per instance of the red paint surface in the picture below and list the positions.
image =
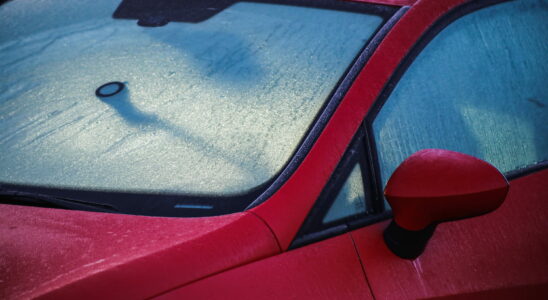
(504, 252)
(435, 185)
(537, 291)
(60, 254)
(286, 210)
(325, 270)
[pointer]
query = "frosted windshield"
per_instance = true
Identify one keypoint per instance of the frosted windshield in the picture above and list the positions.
(216, 107)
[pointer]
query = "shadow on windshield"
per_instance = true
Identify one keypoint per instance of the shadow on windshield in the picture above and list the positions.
(134, 117)
(219, 56)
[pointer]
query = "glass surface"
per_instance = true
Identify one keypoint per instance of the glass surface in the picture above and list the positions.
(350, 200)
(216, 107)
(478, 88)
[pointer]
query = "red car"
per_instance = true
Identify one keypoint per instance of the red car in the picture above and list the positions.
(276, 149)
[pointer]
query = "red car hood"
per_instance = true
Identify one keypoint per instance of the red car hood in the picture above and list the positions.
(54, 253)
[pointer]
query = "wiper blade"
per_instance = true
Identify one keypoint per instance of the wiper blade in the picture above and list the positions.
(42, 200)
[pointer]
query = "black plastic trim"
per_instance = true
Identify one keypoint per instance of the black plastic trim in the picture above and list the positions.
(306, 239)
(149, 204)
(313, 228)
(318, 236)
(528, 170)
(153, 13)
(314, 220)
(405, 243)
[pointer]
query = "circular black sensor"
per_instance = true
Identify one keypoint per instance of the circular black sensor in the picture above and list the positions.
(109, 89)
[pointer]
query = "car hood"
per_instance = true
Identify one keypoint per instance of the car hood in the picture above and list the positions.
(53, 253)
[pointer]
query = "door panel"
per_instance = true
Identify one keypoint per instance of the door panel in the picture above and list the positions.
(502, 254)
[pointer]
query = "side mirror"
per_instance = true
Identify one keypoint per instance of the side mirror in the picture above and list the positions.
(433, 186)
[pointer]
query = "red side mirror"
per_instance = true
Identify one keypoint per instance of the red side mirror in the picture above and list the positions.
(433, 186)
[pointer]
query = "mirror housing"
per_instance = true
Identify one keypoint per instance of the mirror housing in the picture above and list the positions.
(433, 186)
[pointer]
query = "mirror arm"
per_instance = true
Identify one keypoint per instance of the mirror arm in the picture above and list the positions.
(407, 244)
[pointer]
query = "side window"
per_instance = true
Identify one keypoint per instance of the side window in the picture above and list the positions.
(479, 87)
(347, 200)
(350, 200)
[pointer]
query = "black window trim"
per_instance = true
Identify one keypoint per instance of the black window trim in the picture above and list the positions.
(313, 228)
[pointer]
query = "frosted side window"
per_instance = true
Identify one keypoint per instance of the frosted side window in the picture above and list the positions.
(478, 88)
(350, 200)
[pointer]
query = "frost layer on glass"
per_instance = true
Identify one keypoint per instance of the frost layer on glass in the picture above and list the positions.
(214, 107)
(478, 88)
(350, 200)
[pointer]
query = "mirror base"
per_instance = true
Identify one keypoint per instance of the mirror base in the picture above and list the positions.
(407, 244)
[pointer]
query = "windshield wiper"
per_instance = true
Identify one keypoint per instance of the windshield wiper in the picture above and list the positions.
(36, 199)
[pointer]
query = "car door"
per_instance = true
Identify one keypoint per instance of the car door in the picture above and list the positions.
(477, 87)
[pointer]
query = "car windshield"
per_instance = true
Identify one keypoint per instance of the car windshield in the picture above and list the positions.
(214, 106)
